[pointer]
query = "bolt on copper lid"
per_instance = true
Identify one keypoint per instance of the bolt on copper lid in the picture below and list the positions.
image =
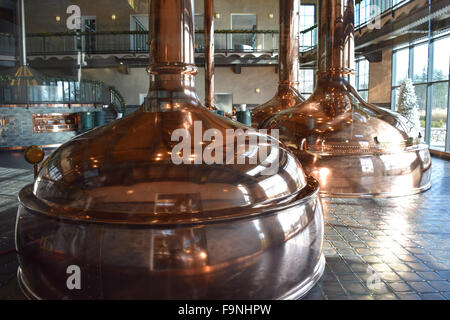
(129, 172)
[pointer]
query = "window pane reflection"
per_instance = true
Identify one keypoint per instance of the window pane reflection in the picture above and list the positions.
(401, 66)
(441, 59)
(420, 63)
(439, 115)
(421, 93)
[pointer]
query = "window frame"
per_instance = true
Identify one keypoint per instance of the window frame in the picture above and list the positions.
(428, 83)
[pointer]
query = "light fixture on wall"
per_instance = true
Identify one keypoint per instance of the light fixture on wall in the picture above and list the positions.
(257, 90)
(58, 18)
(113, 17)
(270, 15)
(217, 15)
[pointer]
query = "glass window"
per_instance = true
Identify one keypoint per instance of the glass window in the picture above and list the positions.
(439, 105)
(199, 36)
(306, 85)
(420, 63)
(199, 22)
(441, 59)
(432, 94)
(307, 16)
(224, 102)
(307, 20)
(394, 98)
(243, 41)
(362, 78)
(401, 62)
(421, 93)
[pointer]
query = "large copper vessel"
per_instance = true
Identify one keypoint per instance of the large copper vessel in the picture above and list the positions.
(111, 215)
(287, 94)
(353, 148)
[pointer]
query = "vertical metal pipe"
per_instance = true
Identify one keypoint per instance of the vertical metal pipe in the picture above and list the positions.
(287, 94)
(336, 40)
(23, 39)
(209, 53)
(289, 47)
(172, 65)
(172, 35)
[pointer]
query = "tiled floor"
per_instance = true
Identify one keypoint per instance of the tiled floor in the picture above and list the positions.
(395, 248)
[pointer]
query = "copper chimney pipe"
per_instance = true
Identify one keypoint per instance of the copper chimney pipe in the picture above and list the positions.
(287, 94)
(172, 36)
(155, 221)
(209, 54)
(336, 38)
(172, 63)
(354, 149)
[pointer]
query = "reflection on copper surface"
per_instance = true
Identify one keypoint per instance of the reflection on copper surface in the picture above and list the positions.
(353, 148)
(113, 202)
(287, 94)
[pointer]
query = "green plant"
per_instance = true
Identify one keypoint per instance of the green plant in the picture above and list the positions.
(407, 104)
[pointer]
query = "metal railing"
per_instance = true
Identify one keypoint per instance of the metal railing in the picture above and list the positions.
(226, 41)
(23, 91)
(367, 10)
(136, 42)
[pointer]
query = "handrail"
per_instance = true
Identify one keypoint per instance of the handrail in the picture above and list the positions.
(57, 91)
(116, 96)
(132, 32)
(135, 42)
(382, 14)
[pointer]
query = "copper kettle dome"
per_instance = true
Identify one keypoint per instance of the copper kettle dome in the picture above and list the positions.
(354, 149)
(116, 203)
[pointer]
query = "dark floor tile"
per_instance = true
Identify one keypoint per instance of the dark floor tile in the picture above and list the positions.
(409, 296)
(422, 287)
(441, 286)
(355, 288)
(409, 276)
(400, 287)
(429, 275)
(432, 296)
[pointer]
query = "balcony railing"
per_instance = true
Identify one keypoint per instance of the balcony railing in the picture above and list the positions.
(367, 10)
(136, 42)
(226, 41)
(17, 91)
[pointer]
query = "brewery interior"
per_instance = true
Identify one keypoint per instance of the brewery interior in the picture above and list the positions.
(344, 109)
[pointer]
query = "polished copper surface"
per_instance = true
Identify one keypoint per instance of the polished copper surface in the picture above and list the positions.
(353, 148)
(209, 54)
(113, 202)
(55, 122)
(287, 94)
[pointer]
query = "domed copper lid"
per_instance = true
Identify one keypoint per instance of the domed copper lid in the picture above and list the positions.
(127, 171)
(353, 148)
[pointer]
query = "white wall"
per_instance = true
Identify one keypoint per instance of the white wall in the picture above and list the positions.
(129, 85)
(242, 86)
